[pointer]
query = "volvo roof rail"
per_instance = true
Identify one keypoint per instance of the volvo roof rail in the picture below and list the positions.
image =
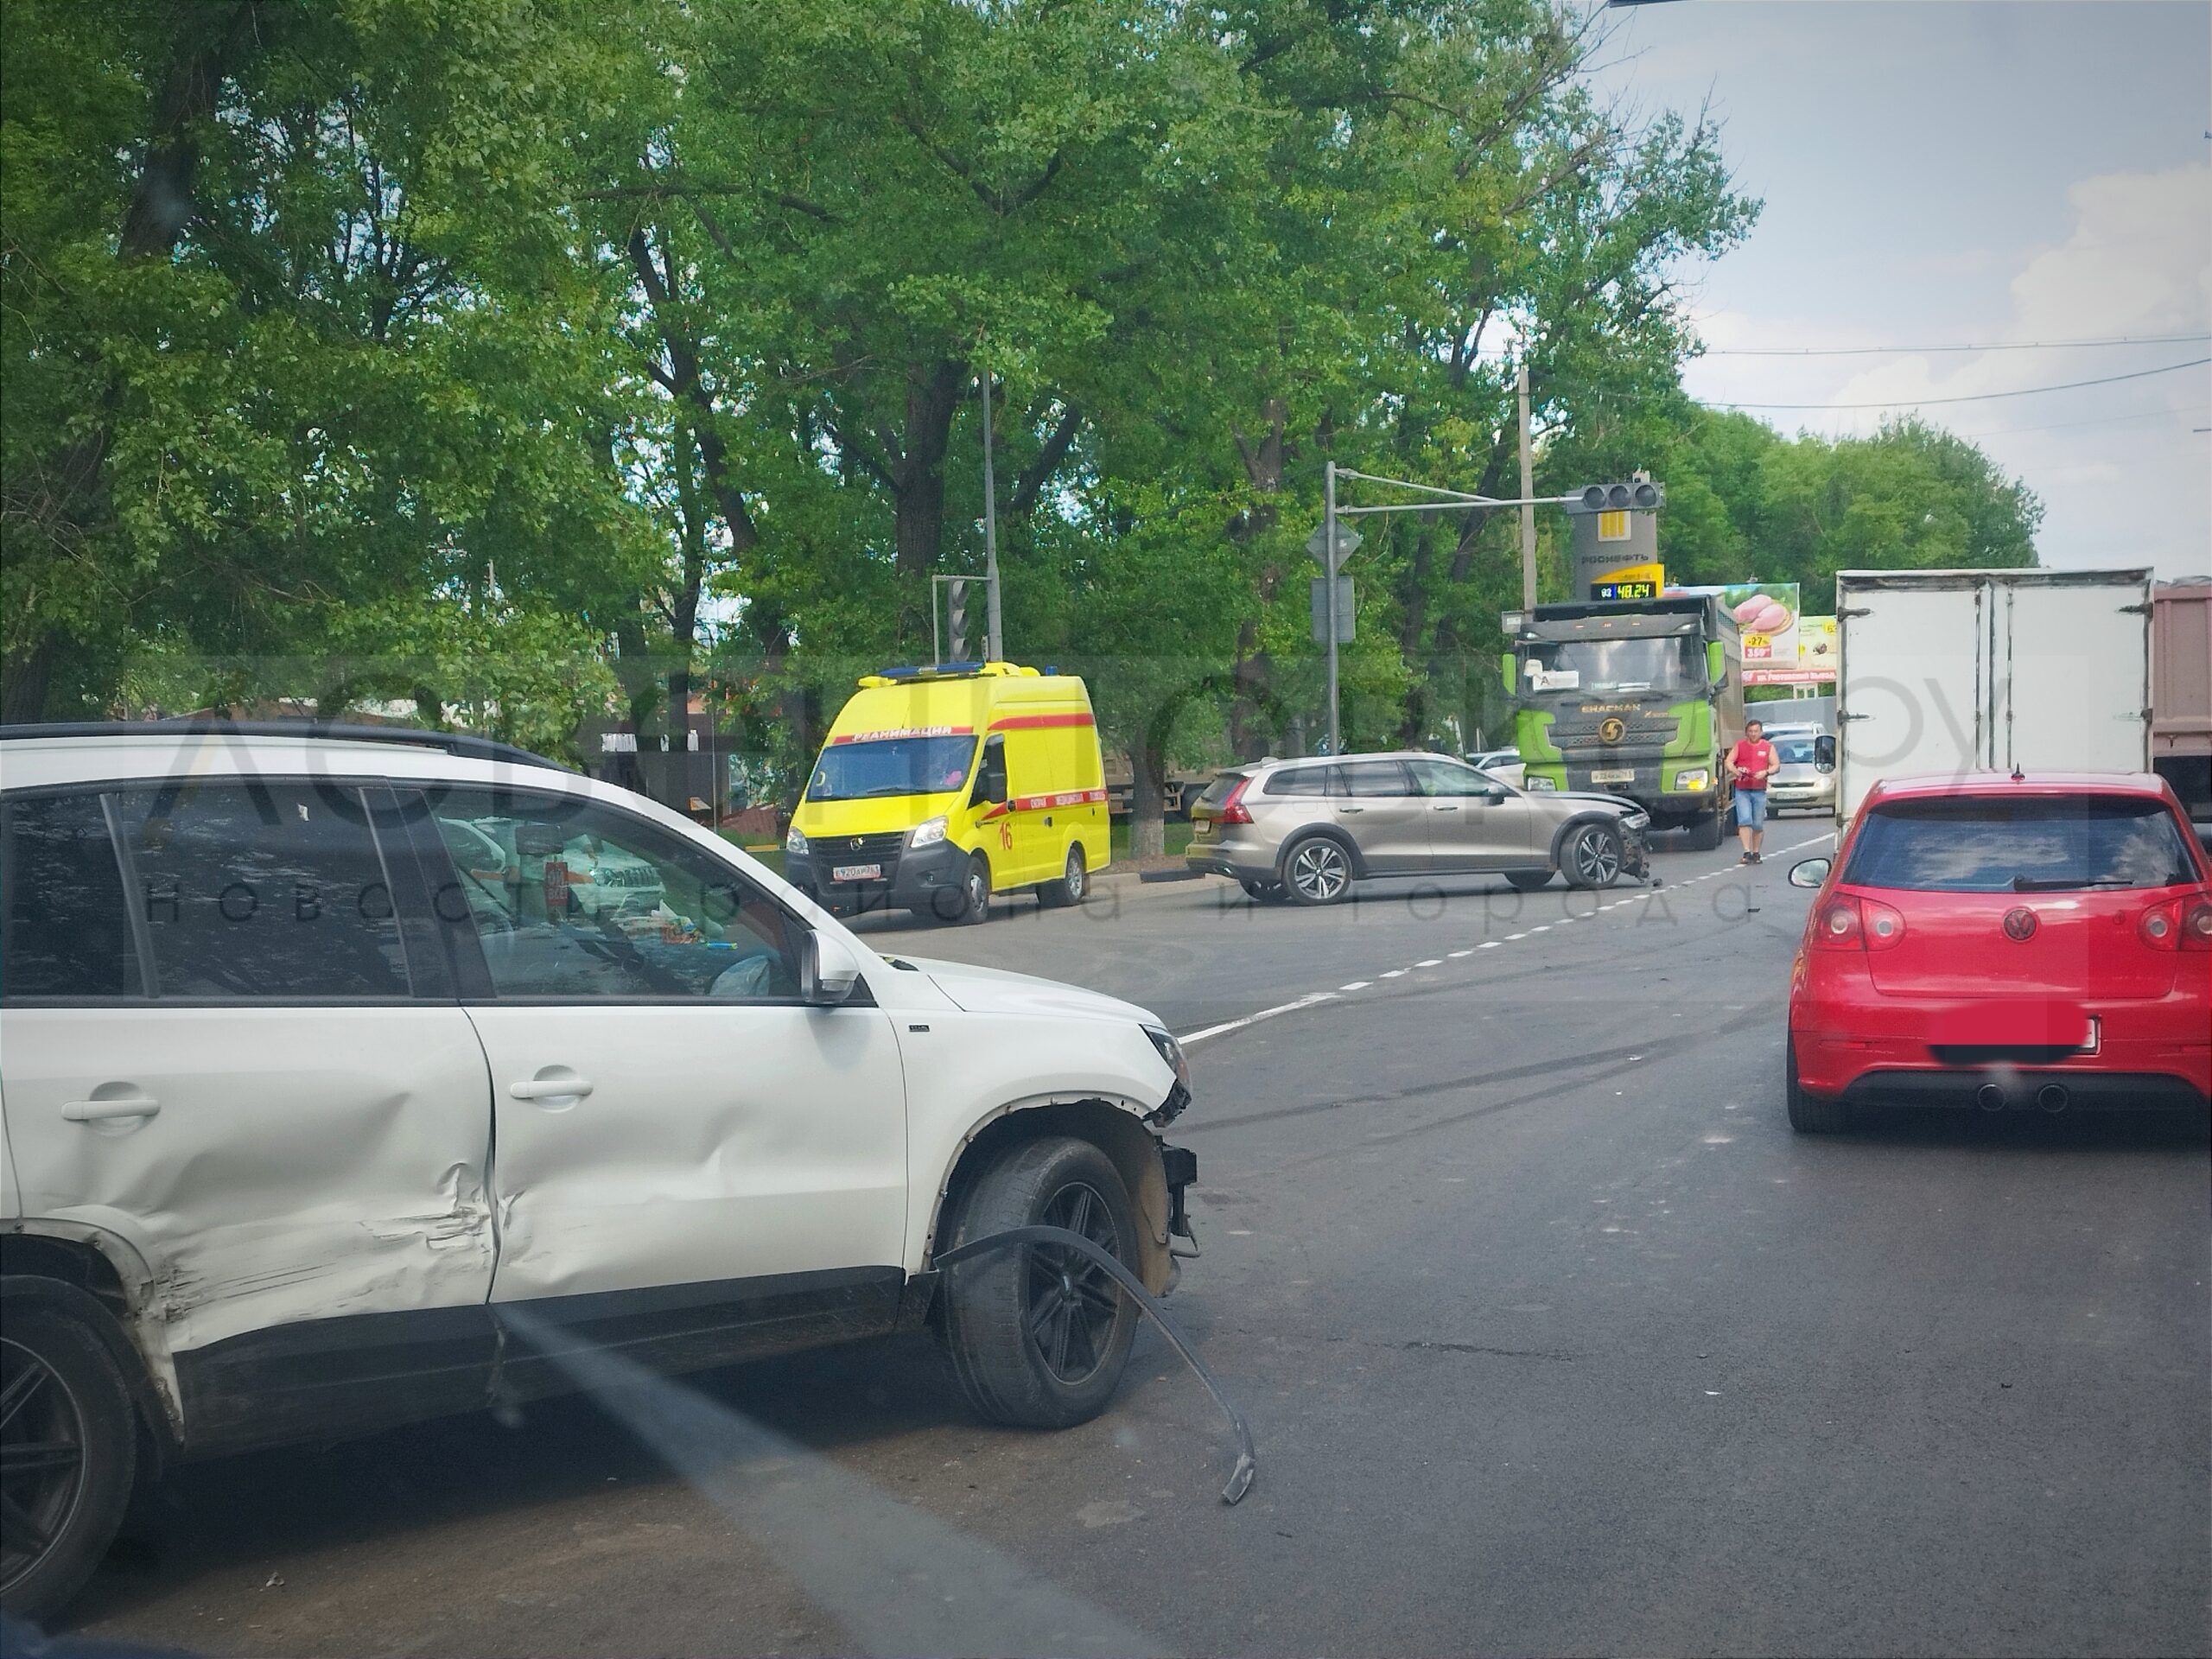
(462, 745)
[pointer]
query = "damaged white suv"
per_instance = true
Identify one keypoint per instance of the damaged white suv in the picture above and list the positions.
(318, 1060)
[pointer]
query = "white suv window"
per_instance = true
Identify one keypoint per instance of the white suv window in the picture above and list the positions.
(67, 928)
(261, 891)
(573, 901)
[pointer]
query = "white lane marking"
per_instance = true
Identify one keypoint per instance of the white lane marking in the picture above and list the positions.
(1228, 1026)
(1307, 1001)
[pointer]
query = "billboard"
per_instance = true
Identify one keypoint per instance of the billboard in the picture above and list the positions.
(1766, 611)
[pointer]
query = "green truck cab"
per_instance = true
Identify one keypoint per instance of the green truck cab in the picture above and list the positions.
(1641, 699)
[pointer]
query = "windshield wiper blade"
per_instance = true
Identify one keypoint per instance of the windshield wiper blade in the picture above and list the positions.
(2066, 883)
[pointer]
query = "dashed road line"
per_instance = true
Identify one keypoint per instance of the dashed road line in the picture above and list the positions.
(1307, 1001)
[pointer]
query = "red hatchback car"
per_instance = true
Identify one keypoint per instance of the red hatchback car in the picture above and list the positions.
(2009, 941)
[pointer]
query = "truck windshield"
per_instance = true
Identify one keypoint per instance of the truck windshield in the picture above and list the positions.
(1609, 665)
(891, 765)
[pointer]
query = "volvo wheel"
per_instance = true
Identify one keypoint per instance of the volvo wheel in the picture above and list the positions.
(1592, 856)
(1317, 871)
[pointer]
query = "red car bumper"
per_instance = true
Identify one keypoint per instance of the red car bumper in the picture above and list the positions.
(1850, 1040)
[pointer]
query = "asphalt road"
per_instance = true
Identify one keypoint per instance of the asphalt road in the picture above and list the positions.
(1552, 1337)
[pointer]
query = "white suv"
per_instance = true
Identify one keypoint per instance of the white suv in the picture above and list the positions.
(315, 1062)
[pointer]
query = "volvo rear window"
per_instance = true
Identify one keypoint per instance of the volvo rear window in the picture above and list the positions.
(2020, 844)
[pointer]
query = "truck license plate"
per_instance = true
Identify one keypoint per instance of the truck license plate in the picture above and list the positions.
(1614, 775)
(856, 873)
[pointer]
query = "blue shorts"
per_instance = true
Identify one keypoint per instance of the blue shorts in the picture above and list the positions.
(1750, 809)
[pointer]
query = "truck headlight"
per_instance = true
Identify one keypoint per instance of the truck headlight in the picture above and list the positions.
(1537, 780)
(1693, 778)
(928, 832)
(795, 843)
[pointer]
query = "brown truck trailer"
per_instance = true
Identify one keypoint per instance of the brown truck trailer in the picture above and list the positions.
(2181, 693)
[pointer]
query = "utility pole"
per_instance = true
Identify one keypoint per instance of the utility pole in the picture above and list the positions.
(994, 640)
(1528, 490)
(1328, 569)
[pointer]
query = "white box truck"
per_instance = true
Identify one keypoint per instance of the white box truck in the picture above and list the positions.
(1959, 670)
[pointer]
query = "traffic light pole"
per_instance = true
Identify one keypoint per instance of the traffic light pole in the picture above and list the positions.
(994, 639)
(1328, 571)
(1528, 489)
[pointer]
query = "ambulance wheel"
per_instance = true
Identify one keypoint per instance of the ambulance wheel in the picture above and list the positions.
(973, 903)
(1074, 882)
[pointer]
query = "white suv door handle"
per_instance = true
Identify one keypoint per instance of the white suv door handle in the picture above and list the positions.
(1444, 806)
(101, 1111)
(569, 1088)
(1352, 808)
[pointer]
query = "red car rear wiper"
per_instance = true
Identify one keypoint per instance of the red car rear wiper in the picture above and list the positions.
(2066, 883)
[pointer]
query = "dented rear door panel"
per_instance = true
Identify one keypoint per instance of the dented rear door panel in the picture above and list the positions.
(310, 1193)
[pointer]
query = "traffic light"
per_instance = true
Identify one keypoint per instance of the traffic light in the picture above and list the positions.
(956, 620)
(1638, 495)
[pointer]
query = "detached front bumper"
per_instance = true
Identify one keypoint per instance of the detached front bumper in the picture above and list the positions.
(914, 878)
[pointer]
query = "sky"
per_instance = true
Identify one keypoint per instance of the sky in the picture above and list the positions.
(1966, 172)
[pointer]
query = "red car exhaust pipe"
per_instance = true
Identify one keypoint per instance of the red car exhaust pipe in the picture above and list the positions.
(1989, 1098)
(2052, 1097)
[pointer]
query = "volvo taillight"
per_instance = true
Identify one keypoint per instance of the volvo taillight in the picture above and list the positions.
(1233, 809)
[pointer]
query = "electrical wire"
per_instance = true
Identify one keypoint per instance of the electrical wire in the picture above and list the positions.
(2099, 420)
(1908, 350)
(1972, 397)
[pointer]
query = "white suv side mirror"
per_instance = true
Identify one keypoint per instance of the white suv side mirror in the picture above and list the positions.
(828, 970)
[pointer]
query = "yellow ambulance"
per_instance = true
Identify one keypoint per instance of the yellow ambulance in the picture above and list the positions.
(937, 787)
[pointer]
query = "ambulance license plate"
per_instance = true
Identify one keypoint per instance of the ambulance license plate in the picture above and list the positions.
(1614, 775)
(856, 873)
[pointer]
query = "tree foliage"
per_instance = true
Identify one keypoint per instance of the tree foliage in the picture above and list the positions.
(538, 360)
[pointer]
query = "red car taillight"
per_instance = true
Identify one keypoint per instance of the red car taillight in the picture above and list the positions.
(1233, 810)
(1848, 924)
(2178, 925)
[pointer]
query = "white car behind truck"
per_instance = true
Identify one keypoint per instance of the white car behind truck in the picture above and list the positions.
(1965, 670)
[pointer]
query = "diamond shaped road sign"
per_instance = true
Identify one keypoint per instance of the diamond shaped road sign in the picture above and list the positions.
(1347, 541)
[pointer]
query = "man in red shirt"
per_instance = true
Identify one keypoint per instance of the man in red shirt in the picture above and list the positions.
(1750, 763)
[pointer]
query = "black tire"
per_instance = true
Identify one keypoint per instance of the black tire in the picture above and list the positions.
(1529, 880)
(1809, 1114)
(1038, 1337)
(68, 1454)
(1264, 893)
(971, 902)
(1074, 882)
(1317, 870)
(1705, 832)
(1592, 856)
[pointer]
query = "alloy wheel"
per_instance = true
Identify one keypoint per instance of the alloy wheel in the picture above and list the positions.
(1073, 1301)
(1318, 871)
(1075, 877)
(1597, 861)
(41, 1460)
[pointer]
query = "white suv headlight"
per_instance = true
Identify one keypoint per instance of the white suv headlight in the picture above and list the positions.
(928, 832)
(795, 843)
(1635, 820)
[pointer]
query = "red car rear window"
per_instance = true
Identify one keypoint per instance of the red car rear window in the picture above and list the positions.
(1968, 843)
